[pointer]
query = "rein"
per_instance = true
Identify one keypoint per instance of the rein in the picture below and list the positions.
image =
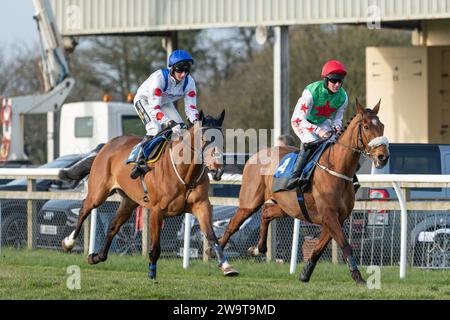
(361, 150)
(190, 186)
(193, 185)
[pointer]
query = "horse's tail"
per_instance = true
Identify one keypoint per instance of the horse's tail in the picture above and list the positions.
(81, 168)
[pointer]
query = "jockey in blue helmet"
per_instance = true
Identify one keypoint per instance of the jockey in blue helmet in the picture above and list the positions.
(154, 100)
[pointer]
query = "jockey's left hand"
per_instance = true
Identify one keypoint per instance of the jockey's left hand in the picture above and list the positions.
(337, 129)
(177, 130)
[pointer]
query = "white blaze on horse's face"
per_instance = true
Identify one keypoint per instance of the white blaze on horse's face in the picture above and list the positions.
(378, 145)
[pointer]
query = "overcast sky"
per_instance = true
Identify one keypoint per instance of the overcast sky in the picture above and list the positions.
(17, 24)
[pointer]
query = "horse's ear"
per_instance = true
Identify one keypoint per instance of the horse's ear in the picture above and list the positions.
(221, 117)
(377, 107)
(359, 108)
(201, 116)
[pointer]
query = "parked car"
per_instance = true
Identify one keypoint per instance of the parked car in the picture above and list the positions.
(13, 164)
(428, 232)
(245, 237)
(14, 211)
(58, 218)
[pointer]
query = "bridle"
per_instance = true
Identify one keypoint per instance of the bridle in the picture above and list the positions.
(200, 154)
(361, 148)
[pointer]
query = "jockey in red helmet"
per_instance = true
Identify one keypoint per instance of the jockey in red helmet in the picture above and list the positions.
(154, 100)
(318, 113)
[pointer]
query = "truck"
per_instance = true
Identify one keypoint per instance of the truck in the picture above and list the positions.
(84, 125)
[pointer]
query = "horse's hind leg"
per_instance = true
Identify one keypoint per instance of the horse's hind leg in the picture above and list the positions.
(156, 220)
(270, 212)
(236, 221)
(92, 201)
(334, 227)
(315, 256)
(123, 214)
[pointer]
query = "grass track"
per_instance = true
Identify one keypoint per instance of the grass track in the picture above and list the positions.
(42, 274)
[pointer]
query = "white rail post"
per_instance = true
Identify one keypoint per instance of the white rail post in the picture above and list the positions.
(403, 228)
(294, 252)
(187, 240)
(93, 231)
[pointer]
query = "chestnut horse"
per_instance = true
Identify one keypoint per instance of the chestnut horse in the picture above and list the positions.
(330, 197)
(177, 183)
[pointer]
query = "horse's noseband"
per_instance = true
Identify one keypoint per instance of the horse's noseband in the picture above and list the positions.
(375, 142)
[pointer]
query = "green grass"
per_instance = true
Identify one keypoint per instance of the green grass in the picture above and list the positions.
(42, 274)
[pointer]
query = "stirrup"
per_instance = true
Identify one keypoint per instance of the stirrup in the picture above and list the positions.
(136, 172)
(138, 169)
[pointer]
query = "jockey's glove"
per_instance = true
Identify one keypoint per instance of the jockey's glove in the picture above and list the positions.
(323, 134)
(177, 130)
(168, 124)
(337, 129)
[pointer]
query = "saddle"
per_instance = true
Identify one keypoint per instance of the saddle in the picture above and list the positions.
(152, 150)
(286, 167)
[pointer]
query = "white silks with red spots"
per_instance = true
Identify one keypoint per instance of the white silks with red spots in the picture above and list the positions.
(158, 103)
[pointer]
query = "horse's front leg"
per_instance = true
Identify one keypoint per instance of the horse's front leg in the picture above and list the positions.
(334, 227)
(203, 212)
(156, 220)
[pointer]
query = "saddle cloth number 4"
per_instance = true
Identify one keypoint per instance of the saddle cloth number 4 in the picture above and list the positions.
(282, 168)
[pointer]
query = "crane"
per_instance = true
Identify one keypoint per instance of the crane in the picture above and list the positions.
(58, 83)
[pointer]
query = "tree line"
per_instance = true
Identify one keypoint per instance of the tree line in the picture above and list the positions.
(231, 70)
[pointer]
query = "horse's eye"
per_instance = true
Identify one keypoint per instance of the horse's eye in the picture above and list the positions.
(366, 127)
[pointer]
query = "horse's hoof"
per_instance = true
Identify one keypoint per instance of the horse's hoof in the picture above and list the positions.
(210, 253)
(64, 247)
(361, 282)
(229, 271)
(356, 275)
(92, 258)
(303, 278)
(253, 251)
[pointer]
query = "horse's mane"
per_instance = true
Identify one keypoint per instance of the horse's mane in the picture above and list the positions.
(349, 121)
(210, 122)
(207, 121)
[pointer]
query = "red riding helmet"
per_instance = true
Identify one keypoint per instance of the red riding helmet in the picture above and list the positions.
(333, 67)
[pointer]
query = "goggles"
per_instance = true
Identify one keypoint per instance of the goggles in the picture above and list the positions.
(184, 67)
(335, 80)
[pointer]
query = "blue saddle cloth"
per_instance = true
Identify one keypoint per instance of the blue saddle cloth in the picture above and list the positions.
(152, 150)
(286, 167)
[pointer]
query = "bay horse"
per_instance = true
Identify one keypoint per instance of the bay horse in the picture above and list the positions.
(330, 198)
(177, 183)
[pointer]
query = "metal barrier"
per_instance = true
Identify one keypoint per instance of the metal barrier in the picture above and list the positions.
(376, 243)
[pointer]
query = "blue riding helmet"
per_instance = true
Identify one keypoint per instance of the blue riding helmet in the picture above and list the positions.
(178, 56)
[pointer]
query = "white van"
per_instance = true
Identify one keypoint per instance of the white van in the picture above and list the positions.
(84, 125)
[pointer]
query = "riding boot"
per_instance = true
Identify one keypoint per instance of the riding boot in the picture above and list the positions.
(140, 166)
(356, 184)
(296, 176)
